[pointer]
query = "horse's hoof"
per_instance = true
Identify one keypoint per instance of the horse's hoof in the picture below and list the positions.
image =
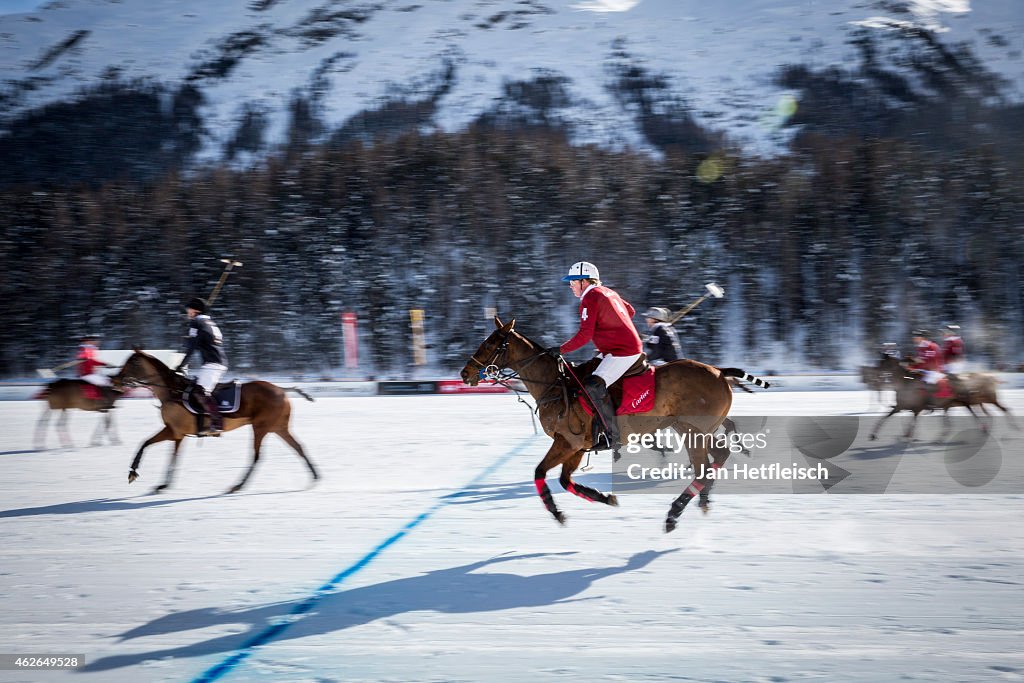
(132, 476)
(670, 525)
(613, 500)
(158, 489)
(705, 508)
(234, 489)
(560, 518)
(872, 438)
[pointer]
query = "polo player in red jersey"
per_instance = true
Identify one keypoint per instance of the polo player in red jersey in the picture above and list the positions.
(605, 320)
(953, 357)
(89, 364)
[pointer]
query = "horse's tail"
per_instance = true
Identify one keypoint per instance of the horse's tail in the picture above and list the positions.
(300, 392)
(745, 376)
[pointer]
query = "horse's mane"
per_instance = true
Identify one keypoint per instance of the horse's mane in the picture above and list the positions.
(528, 340)
(158, 364)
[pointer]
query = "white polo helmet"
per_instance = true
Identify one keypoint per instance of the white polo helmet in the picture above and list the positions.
(581, 270)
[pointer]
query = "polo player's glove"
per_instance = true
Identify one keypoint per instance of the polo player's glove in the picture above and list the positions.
(554, 352)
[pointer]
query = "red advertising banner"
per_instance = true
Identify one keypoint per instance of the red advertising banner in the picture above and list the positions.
(454, 386)
(351, 339)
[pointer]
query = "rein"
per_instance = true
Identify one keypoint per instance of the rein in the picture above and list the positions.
(493, 371)
(133, 381)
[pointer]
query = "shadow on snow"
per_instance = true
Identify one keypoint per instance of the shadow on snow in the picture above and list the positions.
(456, 590)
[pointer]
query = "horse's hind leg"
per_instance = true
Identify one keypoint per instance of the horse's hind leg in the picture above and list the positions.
(720, 454)
(1006, 411)
(294, 443)
(584, 492)
(112, 430)
(171, 466)
(730, 428)
(97, 436)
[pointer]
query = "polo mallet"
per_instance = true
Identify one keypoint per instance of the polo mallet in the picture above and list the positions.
(713, 291)
(50, 373)
(223, 278)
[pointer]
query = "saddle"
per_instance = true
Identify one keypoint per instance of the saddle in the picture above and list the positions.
(632, 393)
(227, 395)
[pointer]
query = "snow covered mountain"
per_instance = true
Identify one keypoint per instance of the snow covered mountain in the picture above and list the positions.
(466, 59)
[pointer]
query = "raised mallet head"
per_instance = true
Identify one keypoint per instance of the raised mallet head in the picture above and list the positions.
(232, 264)
(714, 290)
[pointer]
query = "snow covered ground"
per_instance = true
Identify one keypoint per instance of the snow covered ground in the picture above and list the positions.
(425, 555)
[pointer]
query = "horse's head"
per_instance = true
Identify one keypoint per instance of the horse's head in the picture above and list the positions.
(889, 363)
(139, 369)
(493, 352)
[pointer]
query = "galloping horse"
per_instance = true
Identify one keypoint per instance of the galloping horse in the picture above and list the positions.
(969, 389)
(690, 397)
(64, 394)
(263, 405)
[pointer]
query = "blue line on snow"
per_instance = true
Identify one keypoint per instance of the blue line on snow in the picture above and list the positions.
(225, 667)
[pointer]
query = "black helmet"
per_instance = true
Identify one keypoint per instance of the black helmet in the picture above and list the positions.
(197, 304)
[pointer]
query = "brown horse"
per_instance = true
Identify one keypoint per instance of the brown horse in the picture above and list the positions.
(691, 397)
(912, 394)
(263, 405)
(65, 394)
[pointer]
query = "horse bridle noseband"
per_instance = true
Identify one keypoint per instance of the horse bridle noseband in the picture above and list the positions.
(491, 370)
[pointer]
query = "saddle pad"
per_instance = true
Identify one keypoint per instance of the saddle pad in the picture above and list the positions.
(91, 391)
(945, 389)
(637, 395)
(228, 397)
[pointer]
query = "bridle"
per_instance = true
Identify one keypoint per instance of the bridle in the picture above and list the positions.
(132, 381)
(493, 370)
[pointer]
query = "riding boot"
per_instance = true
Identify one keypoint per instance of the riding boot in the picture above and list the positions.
(216, 425)
(607, 423)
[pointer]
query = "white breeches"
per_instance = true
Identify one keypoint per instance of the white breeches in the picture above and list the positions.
(932, 376)
(97, 379)
(956, 366)
(613, 367)
(209, 374)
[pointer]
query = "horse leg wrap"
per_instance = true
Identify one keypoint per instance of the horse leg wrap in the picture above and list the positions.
(545, 495)
(705, 494)
(680, 503)
(586, 493)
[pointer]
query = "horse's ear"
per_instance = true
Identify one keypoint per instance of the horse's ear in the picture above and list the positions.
(507, 327)
(136, 349)
(497, 322)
